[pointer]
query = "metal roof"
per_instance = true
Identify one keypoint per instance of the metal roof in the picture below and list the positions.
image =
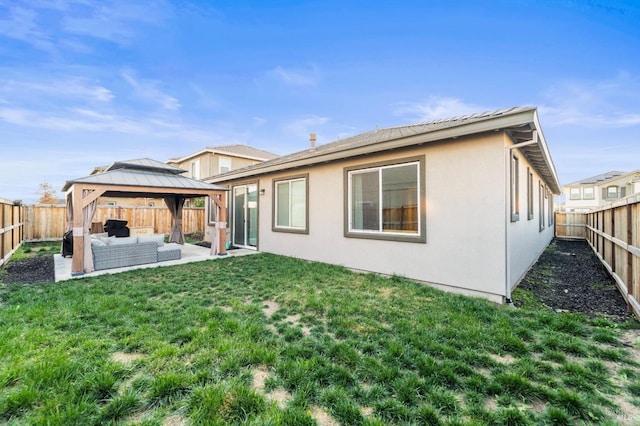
(143, 173)
(237, 150)
(521, 123)
(598, 178)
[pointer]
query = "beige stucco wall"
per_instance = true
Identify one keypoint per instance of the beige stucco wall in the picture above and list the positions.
(467, 220)
(526, 241)
(465, 198)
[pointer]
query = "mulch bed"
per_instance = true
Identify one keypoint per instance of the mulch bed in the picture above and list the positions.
(568, 277)
(31, 270)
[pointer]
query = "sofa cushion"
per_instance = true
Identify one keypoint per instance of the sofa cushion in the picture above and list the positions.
(97, 242)
(155, 238)
(113, 241)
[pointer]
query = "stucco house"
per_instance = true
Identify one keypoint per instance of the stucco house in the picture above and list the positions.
(596, 191)
(464, 204)
(215, 160)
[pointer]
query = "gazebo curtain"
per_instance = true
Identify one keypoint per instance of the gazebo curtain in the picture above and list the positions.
(175, 205)
(87, 213)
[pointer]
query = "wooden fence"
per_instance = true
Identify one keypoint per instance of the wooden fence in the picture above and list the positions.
(613, 232)
(11, 228)
(571, 225)
(47, 221)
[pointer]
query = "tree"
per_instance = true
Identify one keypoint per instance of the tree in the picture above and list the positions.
(47, 194)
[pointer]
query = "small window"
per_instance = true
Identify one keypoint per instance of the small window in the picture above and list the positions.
(612, 192)
(291, 205)
(195, 169)
(549, 198)
(541, 210)
(574, 194)
(588, 193)
(515, 190)
(529, 194)
(224, 164)
(384, 201)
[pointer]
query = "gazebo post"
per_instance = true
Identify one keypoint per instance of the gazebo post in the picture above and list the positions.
(77, 264)
(223, 229)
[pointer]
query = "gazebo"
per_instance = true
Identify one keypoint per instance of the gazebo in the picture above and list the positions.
(137, 178)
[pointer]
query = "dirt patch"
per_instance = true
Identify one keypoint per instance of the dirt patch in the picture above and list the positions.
(294, 320)
(125, 358)
(502, 359)
(322, 417)
(568, 277)
(31, 270)
(270, 307)
(279, 396)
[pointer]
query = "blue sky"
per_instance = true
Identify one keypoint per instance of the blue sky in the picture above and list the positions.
(84, 83)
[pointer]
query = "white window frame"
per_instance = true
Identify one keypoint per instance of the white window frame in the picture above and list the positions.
(195, 169)
(589, 197)
(350, 231)
(575, 194)
(291, 228)
(515, 188)
(224, 163)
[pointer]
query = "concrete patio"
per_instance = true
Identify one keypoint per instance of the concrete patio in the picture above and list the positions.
(190, 253)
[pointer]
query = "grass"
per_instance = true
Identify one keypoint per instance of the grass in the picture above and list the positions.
(187, 344)
(36, 249)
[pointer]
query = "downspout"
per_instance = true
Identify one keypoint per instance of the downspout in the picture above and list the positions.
(507, 222)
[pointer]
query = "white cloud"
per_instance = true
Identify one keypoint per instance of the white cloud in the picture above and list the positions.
(593, 103)
(301, 127)
(296, 77)
(436, 107)
(61, 89)
(148, 90)
(48, 25)
(21, 25)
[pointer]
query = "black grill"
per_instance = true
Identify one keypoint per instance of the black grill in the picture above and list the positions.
(116, 227)
(67, 244)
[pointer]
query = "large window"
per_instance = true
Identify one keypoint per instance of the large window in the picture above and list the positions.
(384, 201)
(515, 189)
(291, 205)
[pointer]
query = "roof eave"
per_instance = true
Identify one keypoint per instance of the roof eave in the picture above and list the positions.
(520, 118)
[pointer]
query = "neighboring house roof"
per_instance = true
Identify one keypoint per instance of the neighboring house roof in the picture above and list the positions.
(144, 173)
(519, 122)
(237, 150)
(598, 179)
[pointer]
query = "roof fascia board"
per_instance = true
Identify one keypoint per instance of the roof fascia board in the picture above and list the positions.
(493, 124)
(542, 143)
(215, 151)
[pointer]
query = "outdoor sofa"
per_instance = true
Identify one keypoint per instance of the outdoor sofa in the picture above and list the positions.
(115, 252)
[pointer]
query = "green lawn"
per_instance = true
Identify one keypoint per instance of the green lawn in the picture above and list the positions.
(265, 339)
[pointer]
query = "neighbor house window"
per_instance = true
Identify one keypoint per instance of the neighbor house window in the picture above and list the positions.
(541, 197)
(529, 194)
(291, 205)
(224, 165)
(588, 193)
(574, 194)
(195, 169)
(515, 192)
(384, 201)
(613, 192)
